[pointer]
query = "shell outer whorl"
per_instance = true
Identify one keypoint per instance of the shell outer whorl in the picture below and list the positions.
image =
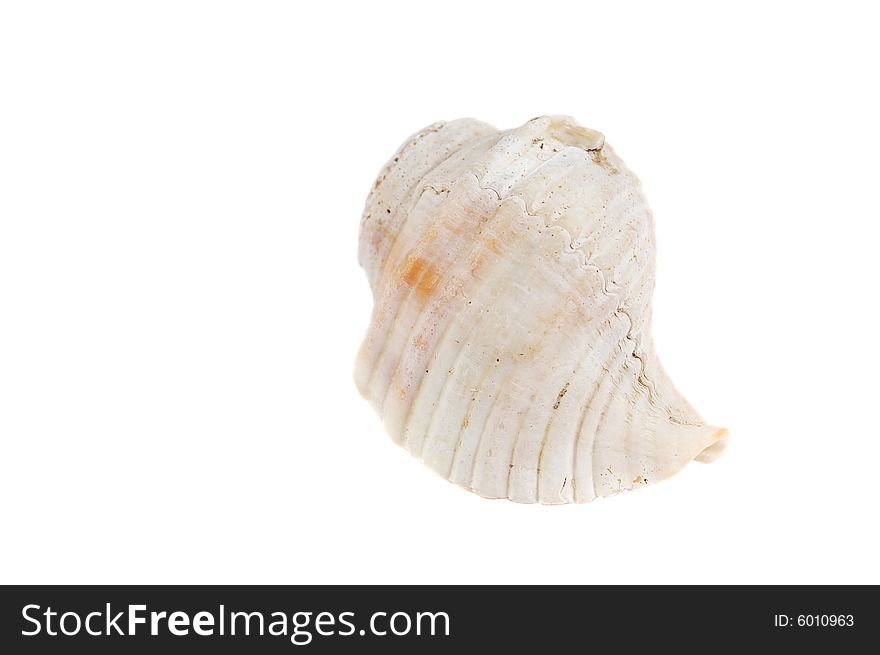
(510, 346)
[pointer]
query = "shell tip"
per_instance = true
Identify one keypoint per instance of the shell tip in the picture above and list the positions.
(717, 445)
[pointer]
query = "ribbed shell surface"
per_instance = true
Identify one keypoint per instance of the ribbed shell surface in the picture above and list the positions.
(510, 343)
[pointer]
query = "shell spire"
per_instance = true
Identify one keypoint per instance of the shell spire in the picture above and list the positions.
(510, 344)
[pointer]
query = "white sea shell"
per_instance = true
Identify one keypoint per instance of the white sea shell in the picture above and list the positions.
(510, 344)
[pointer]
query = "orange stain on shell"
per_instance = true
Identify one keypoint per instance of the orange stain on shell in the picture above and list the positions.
(420, 275)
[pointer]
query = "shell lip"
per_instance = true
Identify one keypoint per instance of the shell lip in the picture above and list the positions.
(717, 445)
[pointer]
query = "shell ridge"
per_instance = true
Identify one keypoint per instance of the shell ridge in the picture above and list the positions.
(404, 302)
(598, 385)
(577, 372)
(499, 392)
(461, 255)
(515, 449)
(496, 216)
(585, 265)
(510, 464)
(418, 188)
(640, 407)
(612, 381)
(479, 441)
(411, 199)
(577, 438)
(384, 172)
(441, 394)
(487, 371)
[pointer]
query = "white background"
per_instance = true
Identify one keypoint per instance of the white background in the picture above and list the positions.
(180, 301)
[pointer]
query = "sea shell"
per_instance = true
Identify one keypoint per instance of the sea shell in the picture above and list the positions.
(510, 344)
